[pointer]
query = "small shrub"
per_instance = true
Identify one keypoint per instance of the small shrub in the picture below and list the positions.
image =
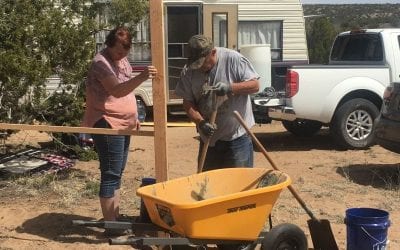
(87, 154)
(92, 188)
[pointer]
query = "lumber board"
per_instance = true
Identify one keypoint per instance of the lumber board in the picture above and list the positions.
(67, 129)
(159, 89)
(171, 124)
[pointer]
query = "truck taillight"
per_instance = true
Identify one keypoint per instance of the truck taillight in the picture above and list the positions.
(292, 83)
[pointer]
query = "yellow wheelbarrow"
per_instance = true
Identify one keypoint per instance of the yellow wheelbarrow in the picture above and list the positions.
(225, 207)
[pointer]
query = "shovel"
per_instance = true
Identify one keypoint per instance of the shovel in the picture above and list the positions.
(207, 141)
(320, 230)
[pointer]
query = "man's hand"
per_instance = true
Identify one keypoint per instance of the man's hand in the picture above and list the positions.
(222, 88)
(207, 128)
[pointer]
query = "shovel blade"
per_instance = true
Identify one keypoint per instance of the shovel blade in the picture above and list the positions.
(322, 235)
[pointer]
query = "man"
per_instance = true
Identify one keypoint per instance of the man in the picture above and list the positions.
(226, 73)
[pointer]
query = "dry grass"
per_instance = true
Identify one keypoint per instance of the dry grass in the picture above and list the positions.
(70, 186)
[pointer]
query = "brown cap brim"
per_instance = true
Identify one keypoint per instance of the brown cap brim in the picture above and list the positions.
(197, 63)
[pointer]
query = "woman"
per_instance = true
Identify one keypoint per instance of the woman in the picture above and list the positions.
(110, 103)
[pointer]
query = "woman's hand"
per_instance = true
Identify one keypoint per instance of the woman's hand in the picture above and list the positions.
(149, 73)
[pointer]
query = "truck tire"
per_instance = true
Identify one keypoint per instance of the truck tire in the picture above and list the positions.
(352, 126)
(303, 128)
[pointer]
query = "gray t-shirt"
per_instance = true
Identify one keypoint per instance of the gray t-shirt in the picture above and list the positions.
(231, 67)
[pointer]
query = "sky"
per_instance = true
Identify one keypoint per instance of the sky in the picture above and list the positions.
(348, 1)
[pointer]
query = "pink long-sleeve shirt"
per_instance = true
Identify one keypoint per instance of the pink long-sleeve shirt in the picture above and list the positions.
(121, 112)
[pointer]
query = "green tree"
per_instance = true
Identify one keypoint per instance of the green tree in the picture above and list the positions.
(40, 38)
(320, 36)
(127, 12)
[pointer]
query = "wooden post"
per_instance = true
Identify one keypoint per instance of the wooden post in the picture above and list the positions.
(159, 89)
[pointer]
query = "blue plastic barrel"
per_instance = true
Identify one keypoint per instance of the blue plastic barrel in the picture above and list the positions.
(144, 215)
(141, 109)
(366, 228)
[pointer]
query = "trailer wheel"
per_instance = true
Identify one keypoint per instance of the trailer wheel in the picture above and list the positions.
(285, 237)
(352, 125)
(304, 128)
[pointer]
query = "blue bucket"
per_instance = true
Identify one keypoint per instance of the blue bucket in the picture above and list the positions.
(366, 228)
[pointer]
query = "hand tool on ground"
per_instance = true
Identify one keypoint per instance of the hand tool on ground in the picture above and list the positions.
(320, 230)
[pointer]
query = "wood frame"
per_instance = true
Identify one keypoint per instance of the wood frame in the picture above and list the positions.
(159, 89)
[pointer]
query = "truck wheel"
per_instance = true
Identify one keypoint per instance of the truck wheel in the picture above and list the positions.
(352, 125)
(285, 236)
(304, 128)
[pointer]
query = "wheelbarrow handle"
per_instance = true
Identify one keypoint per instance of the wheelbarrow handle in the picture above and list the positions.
(274, 166)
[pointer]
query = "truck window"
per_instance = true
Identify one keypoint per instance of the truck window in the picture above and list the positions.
(261, 32)
(357, 47)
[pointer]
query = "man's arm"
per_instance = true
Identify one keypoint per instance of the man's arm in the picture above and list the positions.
(192, 112)
(246, 87)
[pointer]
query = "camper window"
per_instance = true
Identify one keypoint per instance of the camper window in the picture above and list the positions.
(262, 32)
(220, 29)
(141, 43)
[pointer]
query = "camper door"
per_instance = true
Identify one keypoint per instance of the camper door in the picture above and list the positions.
(218, 21)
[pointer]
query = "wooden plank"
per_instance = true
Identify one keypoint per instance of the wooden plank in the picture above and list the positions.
(66, 129)
(159, 89)
(172, 124)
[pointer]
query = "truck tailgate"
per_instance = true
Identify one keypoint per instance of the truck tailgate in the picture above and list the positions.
(321, 88)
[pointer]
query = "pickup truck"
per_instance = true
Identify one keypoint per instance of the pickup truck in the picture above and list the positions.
(345, 95)
(144, 94)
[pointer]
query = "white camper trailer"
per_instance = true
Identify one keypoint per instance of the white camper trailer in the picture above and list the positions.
(277, 24)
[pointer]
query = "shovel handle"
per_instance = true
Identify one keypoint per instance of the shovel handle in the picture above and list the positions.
(206, 144)
(264, 151)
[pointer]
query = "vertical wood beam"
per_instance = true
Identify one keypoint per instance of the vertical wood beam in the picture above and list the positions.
(159, 89)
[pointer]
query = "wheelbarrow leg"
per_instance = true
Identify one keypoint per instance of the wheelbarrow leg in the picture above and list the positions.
(135, 226)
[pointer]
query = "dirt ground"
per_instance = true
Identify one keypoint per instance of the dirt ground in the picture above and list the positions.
(330, 180)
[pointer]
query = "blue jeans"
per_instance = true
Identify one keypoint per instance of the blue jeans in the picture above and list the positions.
(113, 152)
(226, 154)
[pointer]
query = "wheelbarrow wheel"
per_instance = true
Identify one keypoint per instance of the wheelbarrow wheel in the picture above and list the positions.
(180, 247)
(233, 246)
(285, 237)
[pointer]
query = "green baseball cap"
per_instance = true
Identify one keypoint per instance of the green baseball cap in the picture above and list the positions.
(199, 47)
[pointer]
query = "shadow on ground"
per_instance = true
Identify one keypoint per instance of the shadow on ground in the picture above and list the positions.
(383, 176)
(58, 227)
(285, 141)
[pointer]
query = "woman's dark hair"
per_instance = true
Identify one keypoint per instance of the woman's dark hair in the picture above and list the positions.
(119, 34)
